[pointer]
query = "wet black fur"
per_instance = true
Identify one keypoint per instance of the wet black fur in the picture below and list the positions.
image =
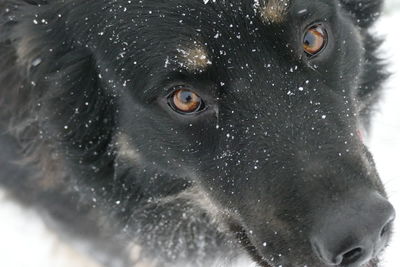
(76, 75)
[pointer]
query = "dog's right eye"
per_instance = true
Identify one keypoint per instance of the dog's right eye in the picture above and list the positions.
(315, 40)
(185, 101)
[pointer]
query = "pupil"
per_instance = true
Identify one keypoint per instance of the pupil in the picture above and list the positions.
(309, 39)
(186, 97)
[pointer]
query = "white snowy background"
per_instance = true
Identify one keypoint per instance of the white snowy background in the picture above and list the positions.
(26, 242)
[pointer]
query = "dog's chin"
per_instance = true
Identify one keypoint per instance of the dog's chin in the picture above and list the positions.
(245, 242)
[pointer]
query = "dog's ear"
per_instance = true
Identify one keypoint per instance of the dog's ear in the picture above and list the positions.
(364, 12)
(59, 80)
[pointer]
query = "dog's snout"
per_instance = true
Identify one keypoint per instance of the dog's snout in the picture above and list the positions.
(352, 233)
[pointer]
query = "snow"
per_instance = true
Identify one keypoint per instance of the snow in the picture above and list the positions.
(26, 242)
(385, 138)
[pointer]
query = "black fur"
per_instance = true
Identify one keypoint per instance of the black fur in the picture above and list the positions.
(77, 77)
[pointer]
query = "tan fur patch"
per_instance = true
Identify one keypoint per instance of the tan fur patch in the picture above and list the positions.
(275, 11)
(194, 59)
(28, 54)
(126, 149)
(137, 259)
(199, 198)
(50, 165)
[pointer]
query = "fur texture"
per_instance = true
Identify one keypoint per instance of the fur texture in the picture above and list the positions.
(90, 139)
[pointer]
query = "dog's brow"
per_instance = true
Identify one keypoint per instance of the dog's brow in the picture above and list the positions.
(274, 11)
(194, 59)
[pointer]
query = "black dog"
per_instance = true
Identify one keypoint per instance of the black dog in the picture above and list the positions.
(186, 132)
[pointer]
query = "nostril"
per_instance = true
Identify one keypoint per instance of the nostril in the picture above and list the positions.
(386, 228)
(352, 256)
(365, 228)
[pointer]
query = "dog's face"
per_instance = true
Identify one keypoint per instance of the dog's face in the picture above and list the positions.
(256, 103)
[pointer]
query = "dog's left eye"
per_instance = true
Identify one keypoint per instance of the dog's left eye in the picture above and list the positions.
(315, 40)
(185, 101)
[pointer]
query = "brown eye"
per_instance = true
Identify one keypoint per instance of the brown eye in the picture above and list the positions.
(315, 40)
(186, 101)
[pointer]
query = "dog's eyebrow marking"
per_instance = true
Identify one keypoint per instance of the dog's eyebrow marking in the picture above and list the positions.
(194, 59)
(275, 11)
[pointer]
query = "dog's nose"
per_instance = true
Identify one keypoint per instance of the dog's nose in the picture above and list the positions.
(353, 232)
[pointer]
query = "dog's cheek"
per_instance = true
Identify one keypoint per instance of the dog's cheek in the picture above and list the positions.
(151, 135)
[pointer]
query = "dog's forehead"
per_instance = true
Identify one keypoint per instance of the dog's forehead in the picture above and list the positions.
(271, 11)
(198, 35)
(225, 24)
(214, 23)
